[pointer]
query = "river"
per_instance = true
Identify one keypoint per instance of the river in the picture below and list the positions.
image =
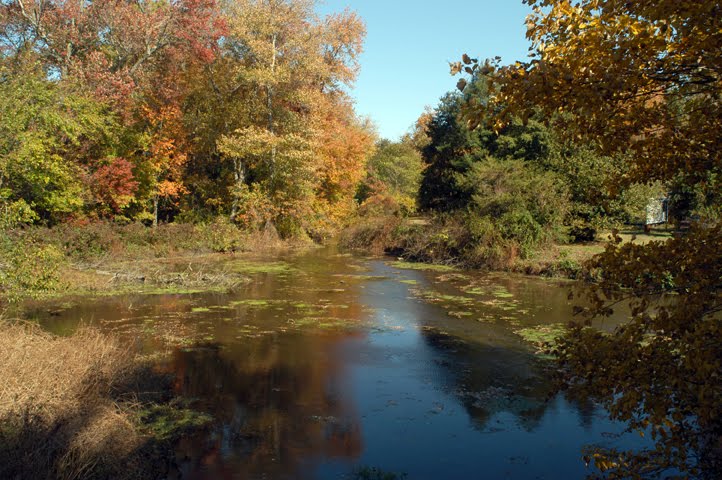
(327, 366)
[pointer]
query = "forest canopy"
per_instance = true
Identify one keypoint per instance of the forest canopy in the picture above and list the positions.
(143, 110)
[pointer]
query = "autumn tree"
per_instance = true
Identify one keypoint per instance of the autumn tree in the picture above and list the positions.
(130, 58)
(642, 79)
(163, 158)
(345, 143)
(217, 107)
(297, 63)
(110, 43)
(113, 185)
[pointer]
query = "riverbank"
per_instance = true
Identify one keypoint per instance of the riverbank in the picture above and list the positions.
(89, 405)
(422, 240)
(105, 258)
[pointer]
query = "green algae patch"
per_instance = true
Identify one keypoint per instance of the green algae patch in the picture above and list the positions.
(302, 305)
(453, 277)
(435, 297)
(252, 331)
(373, 473)
(255, 268)
(200, 309)
(361, 278)
(409, 282)
(471, 290)
(79, 296)
(502, 293)
(251, 303)
(432, 267)
(542, 336)
(323, 323)
(167, 422)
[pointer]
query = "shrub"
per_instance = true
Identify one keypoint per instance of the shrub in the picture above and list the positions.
(28, 268)
(525, 205)
(372, 234)
(221, 235)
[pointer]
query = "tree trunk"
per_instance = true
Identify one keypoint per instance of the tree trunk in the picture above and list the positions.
(270, 109)
(240, 177)
(155, 211)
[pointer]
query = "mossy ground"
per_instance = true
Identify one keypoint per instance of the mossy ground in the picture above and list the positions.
(168, 422)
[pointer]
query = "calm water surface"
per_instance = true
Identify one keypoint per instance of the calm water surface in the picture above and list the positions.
(327, 363)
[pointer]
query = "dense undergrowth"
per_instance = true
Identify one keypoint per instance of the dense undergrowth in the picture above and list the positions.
(462, 240)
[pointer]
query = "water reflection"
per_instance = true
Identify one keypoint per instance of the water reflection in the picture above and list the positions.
(277, 404)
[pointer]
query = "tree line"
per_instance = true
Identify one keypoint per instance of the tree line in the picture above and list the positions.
(158, 110)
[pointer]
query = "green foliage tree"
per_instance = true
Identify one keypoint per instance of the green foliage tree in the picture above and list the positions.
(451, 149)
(524, 205)
(49, 136)
(394, 170)
(27, 268)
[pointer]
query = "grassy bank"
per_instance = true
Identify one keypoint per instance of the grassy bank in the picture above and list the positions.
(80, 407)
(447, 241)
(105, 257)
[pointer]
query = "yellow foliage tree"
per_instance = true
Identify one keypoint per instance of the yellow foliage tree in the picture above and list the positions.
(297, 64)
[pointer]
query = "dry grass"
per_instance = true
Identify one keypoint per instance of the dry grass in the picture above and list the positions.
(58, 417)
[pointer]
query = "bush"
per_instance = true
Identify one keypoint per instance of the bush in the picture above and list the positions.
(28, 268)
(221, 235)
(84, 241)
(371, 234)
(526, 205)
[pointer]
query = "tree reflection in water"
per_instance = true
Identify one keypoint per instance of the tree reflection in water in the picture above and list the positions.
(276, 404)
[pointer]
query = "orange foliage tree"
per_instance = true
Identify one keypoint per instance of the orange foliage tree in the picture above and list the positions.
(164, 157)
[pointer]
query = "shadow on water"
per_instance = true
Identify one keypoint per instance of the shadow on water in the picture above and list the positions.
(326, 363)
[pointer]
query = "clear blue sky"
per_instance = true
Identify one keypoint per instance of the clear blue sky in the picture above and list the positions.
(409, 44)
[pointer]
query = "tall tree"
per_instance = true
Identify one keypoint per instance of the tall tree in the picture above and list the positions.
(296, 63)
(51, 135)
(394, 170)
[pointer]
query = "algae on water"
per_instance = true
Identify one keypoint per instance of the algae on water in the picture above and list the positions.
(251, 268)
(167, 422)
(435, 297)
(423, 266)
(542, 336)
(251, 303)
